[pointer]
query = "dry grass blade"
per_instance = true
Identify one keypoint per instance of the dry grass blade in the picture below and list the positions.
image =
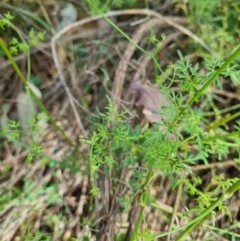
(119, 77)
(215, 165)
(122, 66)
(63, 81)
(53, 191)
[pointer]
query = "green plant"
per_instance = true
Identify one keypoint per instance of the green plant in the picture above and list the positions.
(153, 151)
(127, 146)
(216, 22)
(191, 132)
(40, 236)
(24, 46)
(106, 6)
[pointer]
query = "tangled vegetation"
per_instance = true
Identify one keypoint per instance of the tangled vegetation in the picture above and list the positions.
(120, 120)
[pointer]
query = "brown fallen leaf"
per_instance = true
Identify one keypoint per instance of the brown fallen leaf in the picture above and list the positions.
(151, 99)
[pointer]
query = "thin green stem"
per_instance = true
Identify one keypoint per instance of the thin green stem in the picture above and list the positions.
(226, 110)
(195, 222)
(27, 51)
(125, 35)
(40, 104)
(200, 219)
(207, 84)
(143, 200)
(223, 231)
(222, 137)
(14, 64)
(207, 212)
(28, 65)
(214, 76)
(223, 121)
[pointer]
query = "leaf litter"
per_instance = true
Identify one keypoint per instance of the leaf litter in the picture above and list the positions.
(151, 99)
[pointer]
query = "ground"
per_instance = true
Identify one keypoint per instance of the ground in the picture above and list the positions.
(47, 178)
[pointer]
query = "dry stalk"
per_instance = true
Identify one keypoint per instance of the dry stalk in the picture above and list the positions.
(120, 72)
(110, 14)
(223, 164)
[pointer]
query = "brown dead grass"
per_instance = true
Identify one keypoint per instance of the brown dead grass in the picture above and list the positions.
(90, 62)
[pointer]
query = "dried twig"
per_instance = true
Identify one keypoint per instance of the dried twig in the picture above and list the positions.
(123, 64)
(215, 165)
(110, 14)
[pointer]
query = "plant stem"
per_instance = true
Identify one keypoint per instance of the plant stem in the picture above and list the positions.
(223, 121)
(143, 199)
(125, 35)
(195, 222)
(214, 76)
(40, 104)
(208, 83)
(17, 70)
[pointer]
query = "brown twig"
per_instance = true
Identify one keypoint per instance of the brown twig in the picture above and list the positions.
(215, 165)
(147, 12)
(123, 64)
